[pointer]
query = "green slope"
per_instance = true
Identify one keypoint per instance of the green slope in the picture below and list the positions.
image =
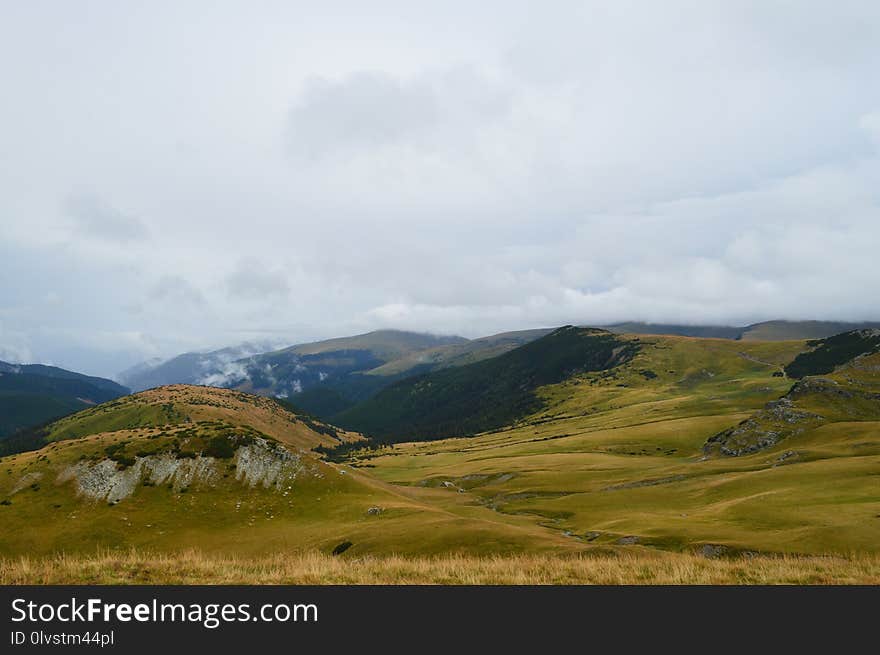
(486, 394)
(33, 394)
(184, 467)
(826, 354)
(617, 457)
(766, 331)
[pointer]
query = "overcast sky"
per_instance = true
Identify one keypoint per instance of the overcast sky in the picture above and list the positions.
(183, 175)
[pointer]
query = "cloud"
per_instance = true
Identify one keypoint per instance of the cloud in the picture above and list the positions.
(252, 280)
(178, 290)
(14, 347)
(225, 374)
(94, 217)
(463, 168)
(366, 110)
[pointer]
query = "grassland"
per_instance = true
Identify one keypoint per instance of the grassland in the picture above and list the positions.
(42, 511)
(608, 481)
(617, 457)
(638, 567)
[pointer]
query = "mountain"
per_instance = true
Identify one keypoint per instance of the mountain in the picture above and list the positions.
(458, 354)
(582, 441)
(31, 394)
(766, 331)
(703, 331)
(327, 377)
(486, 394)
(385, 345)
(788, 330)
(209, 367)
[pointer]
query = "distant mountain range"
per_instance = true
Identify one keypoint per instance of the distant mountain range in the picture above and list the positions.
(484, 394)
(766, 331)
(326, 377)
(190, 368)
(34, 393)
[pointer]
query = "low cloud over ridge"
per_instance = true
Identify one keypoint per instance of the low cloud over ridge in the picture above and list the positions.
(458, 169)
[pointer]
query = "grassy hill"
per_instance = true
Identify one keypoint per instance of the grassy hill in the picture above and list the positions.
(599, 445)
(616, 458)
(459, 354)
(32, 394)
(766, 331)
(384, 345)
(705, 331)
(787, 330)
(327, 377)
(826, 354)
(486, 394)
(183, 467)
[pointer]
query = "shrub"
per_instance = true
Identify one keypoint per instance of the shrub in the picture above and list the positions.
(219, 447)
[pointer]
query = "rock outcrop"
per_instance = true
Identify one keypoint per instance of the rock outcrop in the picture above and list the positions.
(261, 463)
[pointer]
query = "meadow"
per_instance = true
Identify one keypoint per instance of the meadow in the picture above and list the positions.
(614, 479)
(623, 567)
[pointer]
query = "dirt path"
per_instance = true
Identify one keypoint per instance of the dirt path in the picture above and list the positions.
(762, 362)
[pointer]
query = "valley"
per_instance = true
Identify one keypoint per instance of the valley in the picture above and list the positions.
(580, 443)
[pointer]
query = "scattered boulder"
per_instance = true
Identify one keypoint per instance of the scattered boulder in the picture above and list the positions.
(341, 548)
(778, 420)
(784, 457)
(713, 551)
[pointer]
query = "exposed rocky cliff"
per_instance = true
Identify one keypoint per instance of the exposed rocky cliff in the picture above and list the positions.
(260, 462)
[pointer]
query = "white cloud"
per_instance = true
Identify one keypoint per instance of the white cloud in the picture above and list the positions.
(457, 168)
(254, 279)
(94, 218)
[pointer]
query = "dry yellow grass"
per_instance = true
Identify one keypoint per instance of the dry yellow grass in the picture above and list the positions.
(609, 568)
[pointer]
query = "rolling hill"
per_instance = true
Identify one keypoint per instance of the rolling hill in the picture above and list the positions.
(766, 331)
(486, 394)
(31, 394)
(190, 368)
(183, 466)
(327, 377)
(629, 456)
(582, 441)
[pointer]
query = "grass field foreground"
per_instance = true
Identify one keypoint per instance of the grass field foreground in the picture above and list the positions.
(632, 567)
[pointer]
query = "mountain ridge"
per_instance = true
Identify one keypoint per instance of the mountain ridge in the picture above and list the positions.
(34, 393)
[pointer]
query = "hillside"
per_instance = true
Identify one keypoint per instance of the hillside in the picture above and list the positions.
(459, 354)
(616, 458)
(788, 330)
(704, 331)
(31, 394)
(190, 368)
(385, 345)
(181, 466)
(584, 441)
(766, 331)
(826, 354)
(486, 394)
(838, 386)
(325, 378)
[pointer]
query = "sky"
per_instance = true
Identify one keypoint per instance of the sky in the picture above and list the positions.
(179, 176)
